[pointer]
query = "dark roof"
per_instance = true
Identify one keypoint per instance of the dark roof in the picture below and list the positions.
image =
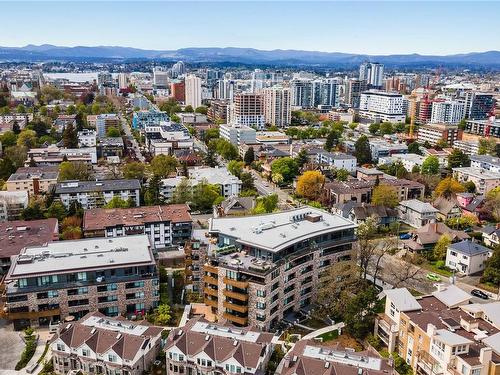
(27, 173)
(475, 203)
(364, 211)
(445, 205)
(16, 235)
(469, 248)
(102, 185)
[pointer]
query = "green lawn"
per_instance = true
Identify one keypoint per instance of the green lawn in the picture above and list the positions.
(431, 266)
(314, 323)
(329, 336)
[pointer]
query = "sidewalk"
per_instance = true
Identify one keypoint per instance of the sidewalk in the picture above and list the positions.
(323, 330)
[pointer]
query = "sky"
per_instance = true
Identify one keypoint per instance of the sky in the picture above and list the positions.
(392, 27)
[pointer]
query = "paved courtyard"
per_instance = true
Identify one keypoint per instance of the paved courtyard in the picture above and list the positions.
(11, 347)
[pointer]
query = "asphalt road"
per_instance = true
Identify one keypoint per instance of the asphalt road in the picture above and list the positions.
(135, 145)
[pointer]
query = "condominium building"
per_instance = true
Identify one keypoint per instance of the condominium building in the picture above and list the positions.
(202, 347)
(487, 162)
(447, 112)
(193, 91)
(72, 278)
(309, 357)
(337, 160)
(302, 93)
(87, 138)
(353, 90)
(196, 252)
(277, 106)
(165, 226)
(262, 268)
(123, 80)
(229, 184)
(381, 148)
(435, 133)
(34, 180)
(160, 78)
(372, 74)
(106, 121)
(468, 147)
(484, 128)
(93, 194)
(483, 179)
(16, 235)
(12, 203)
(141, 119)
(178, 91)
(218, 110)
(326, 92)
(248, 110)
(238, 134)
(382, 106)
(97, 344)
(54, 155)
(442, 333)
(478, 105)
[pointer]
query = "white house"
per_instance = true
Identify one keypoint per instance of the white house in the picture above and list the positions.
(337, 160)
(416, 213)
(467, 257)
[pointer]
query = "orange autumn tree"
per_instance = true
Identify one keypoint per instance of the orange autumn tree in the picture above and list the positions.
(310, 184)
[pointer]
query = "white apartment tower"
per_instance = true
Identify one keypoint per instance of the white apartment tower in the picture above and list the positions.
(372, 74)
(277, 106)
(122, 80)
(447, 112)
(193, 91)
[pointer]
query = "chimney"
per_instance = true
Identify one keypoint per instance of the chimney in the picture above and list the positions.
(431, 330)
(485, 355)
(286, 362)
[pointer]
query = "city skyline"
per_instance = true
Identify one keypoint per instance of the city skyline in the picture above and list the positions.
(375, 28)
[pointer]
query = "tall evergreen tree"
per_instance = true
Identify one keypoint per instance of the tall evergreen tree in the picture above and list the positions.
(249, 156)
(70, 137)
(362, 150)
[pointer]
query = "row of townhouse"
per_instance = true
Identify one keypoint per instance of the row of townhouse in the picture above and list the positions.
(442, 333)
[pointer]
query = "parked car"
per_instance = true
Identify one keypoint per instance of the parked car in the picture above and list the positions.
(433, 277)
(405, 236)
(479, 293)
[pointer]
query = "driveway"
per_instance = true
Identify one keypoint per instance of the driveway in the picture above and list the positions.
(11, 346)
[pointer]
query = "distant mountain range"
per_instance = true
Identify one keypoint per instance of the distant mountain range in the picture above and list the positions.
(47, 52)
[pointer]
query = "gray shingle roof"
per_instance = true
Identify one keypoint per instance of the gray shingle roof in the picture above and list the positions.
(469, 248)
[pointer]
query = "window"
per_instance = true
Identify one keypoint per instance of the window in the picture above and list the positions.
(81, 276)
(475, 371)
(23, 283)
(86, 352)
(261, 293)
(112, 358)
(60, 347)
(260, 305)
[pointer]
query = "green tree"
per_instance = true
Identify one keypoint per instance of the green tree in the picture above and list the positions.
(249, 156)
(113, 132)
(21, 109)
(56, 210)
(360, 312)
(448, 187)
(430, 165)
(487, 146)
(386, 128)
(458, 158)
(439, 251)
(287, 167)
(71, 110)
(341, 174)
(34, 211)
(183, 192)
(266, 204)
(209, 134)
(9, 138)
(163, 316)
(247, 181)
(163, 165)
(70, 137)
(235, 167)
(205, 196)
(331, 140)
(188, 109)
(201, 109)
(17, 154)
(152, 194)
(16, 129)
(117, 202)
(374, 128)
(27, 138)
(74, 170)
(134, 170)
(302, 158)
(224, 148)
(6, 168)
(385, 195)
(362, 150)
(414, 148)
(492, 271)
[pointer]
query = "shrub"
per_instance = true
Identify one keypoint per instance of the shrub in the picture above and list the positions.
(27, 353)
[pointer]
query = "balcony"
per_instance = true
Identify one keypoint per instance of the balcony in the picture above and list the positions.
(235, 295)
(210, 268)
(32, 314)
(211, 292)
(236, 283)
(235, 319)
(211, 280)
(240, 308)
(211, 302)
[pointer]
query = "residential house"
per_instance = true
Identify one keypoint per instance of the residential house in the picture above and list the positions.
(361, 211)
(416, 213)
(97, 344)
(204, 347)
(447, 208)
(235, 206)
(467, 257)
(491, 235)
(424, 238)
